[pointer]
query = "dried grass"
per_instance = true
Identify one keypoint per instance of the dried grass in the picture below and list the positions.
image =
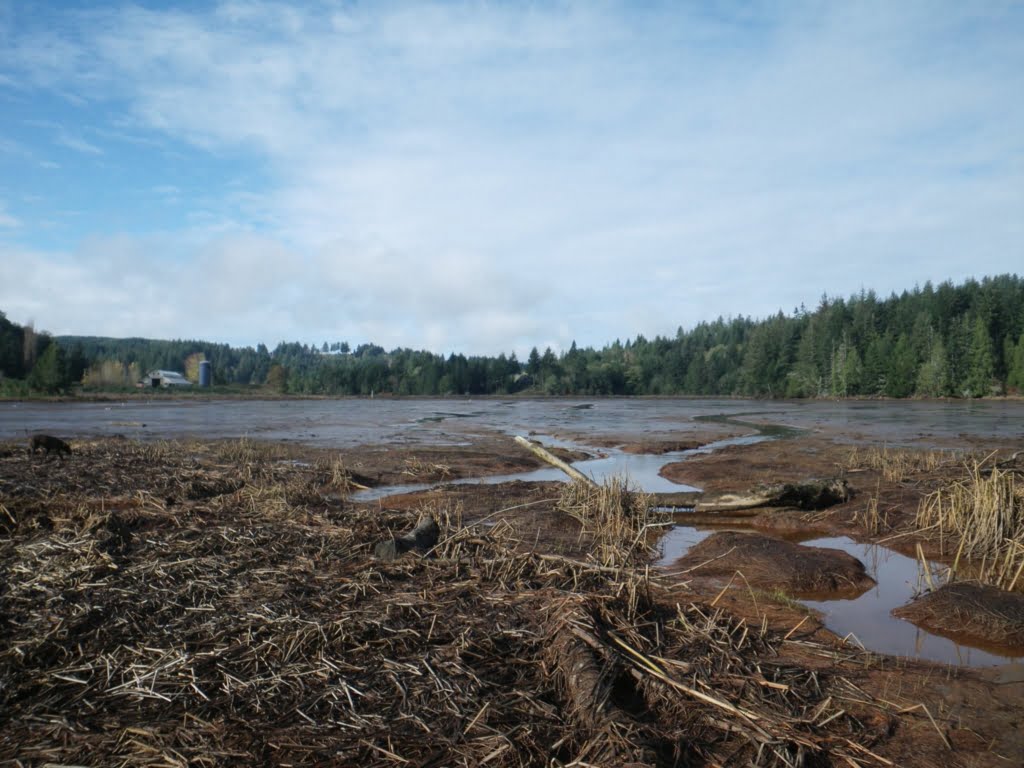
(982, 517)
(619, 519)
(161, 607)
(899, 464)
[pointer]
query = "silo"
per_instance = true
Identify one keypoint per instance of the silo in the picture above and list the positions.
(205, 373)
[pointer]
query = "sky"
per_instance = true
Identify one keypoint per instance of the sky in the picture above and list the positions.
(485, 177)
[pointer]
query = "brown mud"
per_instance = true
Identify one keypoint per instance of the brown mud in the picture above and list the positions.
(975, 611)
(219, 603)
(772, 563)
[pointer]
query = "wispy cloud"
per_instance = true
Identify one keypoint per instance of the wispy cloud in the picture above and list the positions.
(6, 219)
(483, 176)
(77, 143)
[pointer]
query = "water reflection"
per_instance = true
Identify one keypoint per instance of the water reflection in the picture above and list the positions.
(868, 618)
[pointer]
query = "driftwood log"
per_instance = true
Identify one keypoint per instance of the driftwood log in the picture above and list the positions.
(540, 452)
(815, 494)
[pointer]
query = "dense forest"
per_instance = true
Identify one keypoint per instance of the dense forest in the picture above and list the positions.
(951, 340)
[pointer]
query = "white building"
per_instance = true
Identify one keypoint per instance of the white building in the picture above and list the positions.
(164, 379)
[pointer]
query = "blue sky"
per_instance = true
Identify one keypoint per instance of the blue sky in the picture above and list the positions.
(487, 176)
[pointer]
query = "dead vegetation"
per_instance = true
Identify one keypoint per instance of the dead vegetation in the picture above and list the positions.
(980, 516)
(622, 522)
(970, 509)
(169, 605)
(899, 464)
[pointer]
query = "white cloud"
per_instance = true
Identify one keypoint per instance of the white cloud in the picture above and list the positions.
(77, 143)
(487, 176)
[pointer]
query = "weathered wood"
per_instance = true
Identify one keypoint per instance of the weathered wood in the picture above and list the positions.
(540, 452)
(816, 494)
(728, 502)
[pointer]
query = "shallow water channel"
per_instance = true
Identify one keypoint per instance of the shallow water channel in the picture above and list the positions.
(866, 618)
(642, 469)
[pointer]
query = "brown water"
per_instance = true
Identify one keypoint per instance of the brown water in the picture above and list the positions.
(867, 619)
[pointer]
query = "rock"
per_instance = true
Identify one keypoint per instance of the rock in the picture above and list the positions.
(424, 536)
(420, 539)
(387, 550)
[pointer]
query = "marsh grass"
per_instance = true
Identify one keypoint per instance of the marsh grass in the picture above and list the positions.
(618, 518)
(982, 516)
(871, 518)
(418, 468)
(781, 597)
(898, 464)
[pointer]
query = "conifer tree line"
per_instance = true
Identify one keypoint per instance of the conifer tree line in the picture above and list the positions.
(962, 340)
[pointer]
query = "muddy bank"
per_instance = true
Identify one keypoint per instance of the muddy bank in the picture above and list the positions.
(483, 456)
(776, 564)
(973, 611)
(741, 467)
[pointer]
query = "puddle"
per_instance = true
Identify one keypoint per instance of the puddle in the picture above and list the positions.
(868, 617)
(677, 542)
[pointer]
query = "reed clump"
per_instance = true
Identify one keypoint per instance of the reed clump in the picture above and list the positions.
(619, 519)
(872, 518)
(982, 516)
(899, 464)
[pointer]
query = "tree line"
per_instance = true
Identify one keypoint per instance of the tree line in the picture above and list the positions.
(963, 340)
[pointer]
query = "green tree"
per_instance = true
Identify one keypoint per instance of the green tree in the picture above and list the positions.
(981, 368)
(50, 373)
(1015, 367)
(277, 378)
(933, 376)
(901, 373)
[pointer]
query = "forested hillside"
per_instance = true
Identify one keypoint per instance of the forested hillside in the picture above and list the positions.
(951, 340)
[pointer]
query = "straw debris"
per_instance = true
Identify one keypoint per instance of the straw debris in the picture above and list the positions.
(173, 605)
(982, 516)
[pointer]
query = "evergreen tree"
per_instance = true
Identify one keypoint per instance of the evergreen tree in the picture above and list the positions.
(982, 367)
(50, 373)
(933, 376)
(901, 374)
(1015, 367)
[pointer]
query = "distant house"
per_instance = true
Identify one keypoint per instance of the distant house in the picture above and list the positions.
(164, 379)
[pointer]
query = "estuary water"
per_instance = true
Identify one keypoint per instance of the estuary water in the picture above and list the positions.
(448, 421)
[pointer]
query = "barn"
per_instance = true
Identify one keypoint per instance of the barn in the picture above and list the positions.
(158, 378)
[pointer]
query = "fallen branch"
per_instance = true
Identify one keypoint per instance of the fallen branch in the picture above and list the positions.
(542, 453)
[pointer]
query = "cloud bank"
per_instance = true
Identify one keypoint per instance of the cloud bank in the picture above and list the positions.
(487, 177)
